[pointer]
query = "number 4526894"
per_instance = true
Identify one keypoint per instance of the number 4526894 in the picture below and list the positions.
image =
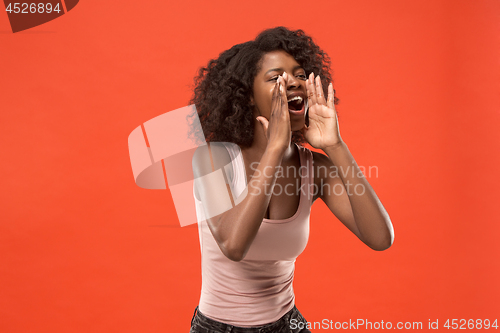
(25, 8)
(463, 324)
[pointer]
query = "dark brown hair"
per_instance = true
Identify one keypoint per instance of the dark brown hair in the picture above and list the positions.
(223, 88)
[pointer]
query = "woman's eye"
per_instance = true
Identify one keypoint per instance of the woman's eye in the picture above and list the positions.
(273, 78)
(302, 76)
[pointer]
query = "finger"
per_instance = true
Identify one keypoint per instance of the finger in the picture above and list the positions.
(284, 104)
(284, 101)
(331, 96)
(279, 97)
(319, 91)
(311, 93)
(275, 100)
(285, 79)
(264, 122)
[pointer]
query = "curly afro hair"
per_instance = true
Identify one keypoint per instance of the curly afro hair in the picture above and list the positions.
(223, 88)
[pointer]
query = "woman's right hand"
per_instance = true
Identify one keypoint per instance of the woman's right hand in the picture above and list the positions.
(234, 224)
(277, 129)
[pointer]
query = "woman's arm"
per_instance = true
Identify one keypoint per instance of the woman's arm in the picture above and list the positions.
(349, 196)
(235, 229)
(345, 191)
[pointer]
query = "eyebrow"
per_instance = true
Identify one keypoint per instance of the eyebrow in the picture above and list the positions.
(281, 69)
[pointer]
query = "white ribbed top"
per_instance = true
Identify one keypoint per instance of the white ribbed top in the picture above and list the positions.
(257, 290)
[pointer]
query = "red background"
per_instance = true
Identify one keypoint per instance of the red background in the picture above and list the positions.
(84, 249)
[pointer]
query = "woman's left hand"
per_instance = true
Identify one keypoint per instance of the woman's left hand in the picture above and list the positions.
(323, 130)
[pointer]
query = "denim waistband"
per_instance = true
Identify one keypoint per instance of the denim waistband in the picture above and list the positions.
(281, 325)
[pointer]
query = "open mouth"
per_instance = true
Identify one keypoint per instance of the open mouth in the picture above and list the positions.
(296, 105)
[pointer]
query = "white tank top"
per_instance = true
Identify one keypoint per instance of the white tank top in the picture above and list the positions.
(257, 290)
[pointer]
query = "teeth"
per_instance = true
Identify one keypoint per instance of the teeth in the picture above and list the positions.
(296, 98)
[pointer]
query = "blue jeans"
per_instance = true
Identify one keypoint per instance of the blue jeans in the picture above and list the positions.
(291, 322)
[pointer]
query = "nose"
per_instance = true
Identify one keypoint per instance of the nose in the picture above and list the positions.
(291, 81)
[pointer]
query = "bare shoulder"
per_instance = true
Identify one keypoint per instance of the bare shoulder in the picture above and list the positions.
(322, 164)
(320, 159)
(325, 173)
(210, 157)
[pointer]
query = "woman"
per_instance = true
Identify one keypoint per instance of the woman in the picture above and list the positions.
(257, 103)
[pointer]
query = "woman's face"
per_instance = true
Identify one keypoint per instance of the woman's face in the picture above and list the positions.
(273, 64)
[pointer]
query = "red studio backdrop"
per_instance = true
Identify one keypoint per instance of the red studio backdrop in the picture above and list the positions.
(84, 249)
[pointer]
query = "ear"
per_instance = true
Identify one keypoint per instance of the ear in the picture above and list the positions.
(252, 102)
